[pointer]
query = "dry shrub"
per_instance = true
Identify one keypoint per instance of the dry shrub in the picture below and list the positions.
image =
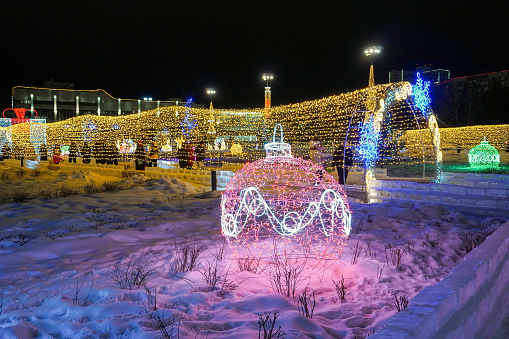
(135, 273)
(20, 195)
(65, 191)
(285, 274)
(185, 257)
(91, 188)
(111, 186)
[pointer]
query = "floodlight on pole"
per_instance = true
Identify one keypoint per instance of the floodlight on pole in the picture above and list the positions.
(210, 92)
(267, 77)
(371, 52)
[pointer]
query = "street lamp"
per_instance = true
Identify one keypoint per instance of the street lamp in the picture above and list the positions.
(371, 52)
(267, 77)
(211, 91)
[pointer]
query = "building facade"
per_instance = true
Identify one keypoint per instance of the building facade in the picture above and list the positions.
(481, 81)
(56, 104)
(427, 74)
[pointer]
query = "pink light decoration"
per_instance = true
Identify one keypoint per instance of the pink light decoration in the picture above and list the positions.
(281, 205)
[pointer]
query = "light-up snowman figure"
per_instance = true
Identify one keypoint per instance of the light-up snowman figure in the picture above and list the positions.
(280, 206)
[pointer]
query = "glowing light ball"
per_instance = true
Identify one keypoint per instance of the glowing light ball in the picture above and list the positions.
(484, 155)
(236, 149)
(285, 206)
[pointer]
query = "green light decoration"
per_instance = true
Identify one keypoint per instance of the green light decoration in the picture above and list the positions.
(484, 155)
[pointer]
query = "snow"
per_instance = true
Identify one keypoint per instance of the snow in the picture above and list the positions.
(58, 257)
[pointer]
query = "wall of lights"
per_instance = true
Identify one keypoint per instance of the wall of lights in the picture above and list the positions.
(465, 138)
(332, 119)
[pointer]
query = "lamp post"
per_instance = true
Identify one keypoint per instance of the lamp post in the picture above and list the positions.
(371, 52)
(267, 77)
(211, 91)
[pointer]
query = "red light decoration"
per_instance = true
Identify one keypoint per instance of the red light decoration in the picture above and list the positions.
(20, 113)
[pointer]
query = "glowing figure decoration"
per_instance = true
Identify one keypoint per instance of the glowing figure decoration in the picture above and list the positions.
(421, 95)
(219, 144)
(167, 147)
(484, 155)
(128, 146)
(179, 142)
(280, 205)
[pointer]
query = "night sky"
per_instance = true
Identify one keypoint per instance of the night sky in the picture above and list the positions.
(169, 49)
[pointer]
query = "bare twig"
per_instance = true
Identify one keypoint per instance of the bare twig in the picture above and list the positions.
(306, 304)
(267, 323)
(356, 252)
(341, 289)
(401, 302)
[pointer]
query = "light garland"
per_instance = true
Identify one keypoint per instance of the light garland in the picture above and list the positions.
(280, 204)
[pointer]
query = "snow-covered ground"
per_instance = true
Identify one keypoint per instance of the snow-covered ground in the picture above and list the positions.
(65, 264)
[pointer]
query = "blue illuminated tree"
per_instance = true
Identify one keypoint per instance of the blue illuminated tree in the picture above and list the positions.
(189, 122)
(90, 129)
(368, 142)
(421, 95)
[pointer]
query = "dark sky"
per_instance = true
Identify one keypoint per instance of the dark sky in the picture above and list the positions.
(168, 49)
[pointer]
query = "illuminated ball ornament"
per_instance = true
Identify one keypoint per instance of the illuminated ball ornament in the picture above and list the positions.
(280, 205)
(484, 155)
(236, 149)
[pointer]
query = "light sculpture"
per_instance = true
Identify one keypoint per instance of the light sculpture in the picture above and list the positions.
(281, 206)
(484, 155)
